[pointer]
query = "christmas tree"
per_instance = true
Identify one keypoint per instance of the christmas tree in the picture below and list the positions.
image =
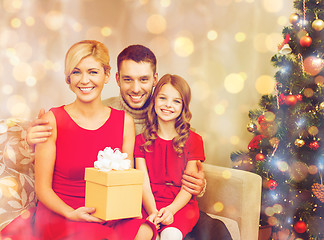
(287, 149)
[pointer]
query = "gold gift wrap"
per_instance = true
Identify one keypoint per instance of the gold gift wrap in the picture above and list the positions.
(115, 194)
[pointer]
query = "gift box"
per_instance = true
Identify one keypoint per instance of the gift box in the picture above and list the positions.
(115, 194)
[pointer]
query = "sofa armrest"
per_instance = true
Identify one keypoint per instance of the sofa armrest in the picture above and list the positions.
(235, 194)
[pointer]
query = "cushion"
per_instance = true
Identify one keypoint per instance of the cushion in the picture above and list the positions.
(16, 170)
(230, 224)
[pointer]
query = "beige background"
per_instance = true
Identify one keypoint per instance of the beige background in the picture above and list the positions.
(221, 47)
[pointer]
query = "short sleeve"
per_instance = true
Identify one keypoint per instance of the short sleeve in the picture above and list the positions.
(195, 147)
(139, 141)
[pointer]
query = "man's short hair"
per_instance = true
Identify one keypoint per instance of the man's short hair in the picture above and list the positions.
(137, 53)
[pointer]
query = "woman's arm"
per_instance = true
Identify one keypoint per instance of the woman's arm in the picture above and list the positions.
(45, 155)
(182, 198)
(129, 138)
(148, 198)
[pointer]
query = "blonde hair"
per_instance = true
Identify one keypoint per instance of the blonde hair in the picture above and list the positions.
(83, 49)
(182, 124)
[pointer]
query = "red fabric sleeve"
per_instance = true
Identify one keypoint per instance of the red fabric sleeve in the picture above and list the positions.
(195, 147)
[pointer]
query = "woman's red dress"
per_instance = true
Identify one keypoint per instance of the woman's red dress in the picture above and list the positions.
(76, 149)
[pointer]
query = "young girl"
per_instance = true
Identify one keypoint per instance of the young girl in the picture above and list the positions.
(80, 130)
(164, 151)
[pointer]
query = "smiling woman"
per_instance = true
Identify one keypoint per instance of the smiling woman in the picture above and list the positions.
(60, 161)
(87, 79)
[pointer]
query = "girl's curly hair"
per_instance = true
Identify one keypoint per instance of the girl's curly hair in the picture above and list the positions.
(182, 124)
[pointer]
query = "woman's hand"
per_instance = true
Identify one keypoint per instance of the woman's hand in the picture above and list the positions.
(164, 216)
(83, 214)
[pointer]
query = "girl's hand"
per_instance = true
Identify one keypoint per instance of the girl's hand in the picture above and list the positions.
(164, 216)
(83, 214)
(152, 218)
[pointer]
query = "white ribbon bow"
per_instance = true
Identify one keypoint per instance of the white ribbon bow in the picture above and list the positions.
(110, 159)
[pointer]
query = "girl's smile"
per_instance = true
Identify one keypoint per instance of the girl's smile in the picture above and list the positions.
(168, 103)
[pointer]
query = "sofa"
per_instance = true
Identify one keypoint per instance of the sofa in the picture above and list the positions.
(233, 196)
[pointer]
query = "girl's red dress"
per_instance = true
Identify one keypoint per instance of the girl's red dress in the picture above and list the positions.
(77, 148)
(165, 171)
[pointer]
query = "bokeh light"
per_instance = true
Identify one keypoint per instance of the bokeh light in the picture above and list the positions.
(240, 37)
(273, 6)
(15, 22)
(7, 89)
(277, 208)
(31, 81)
(312, 169)
(156, 24)
(12, 6)
(319, 80)
(212, 35)
(54, 20)
(77, 27)
(24, 51)
(30, 21)
(265, 84)
(39, 70)
(298, 171)
(17, 106)
(272, 221)
(165, 3)
(220, 108)
(234, 83)
(282, 166)
(106, 31)
(218, 207)
(227, 174)
(308, 92)
(21, 71)
(183, 46)
(269, 211)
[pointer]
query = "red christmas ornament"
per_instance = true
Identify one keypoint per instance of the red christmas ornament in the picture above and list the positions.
(313, 65)
(314, 145)
(272, 184)
(282, 98)
(290, 100)
(299, 97)
(261, 119)
(305, 41)
(255, 142)
(259, 157)
(300, 226)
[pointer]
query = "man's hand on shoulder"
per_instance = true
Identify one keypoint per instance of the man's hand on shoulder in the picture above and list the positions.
(39, 130)
(194, 183)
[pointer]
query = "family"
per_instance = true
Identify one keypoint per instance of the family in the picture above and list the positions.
(150, 121)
